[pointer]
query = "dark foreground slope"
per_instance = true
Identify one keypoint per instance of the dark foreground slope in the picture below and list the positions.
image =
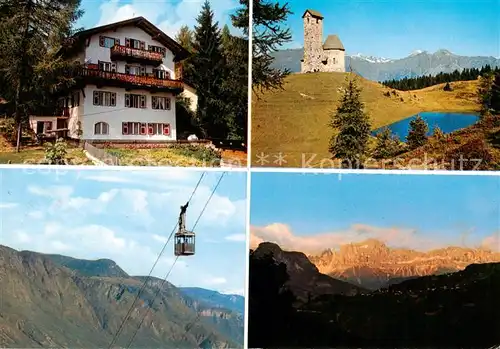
(460, 309)
(47, 305)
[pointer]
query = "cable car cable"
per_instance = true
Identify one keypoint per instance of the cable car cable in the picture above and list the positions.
(173, 264)
(120, 328)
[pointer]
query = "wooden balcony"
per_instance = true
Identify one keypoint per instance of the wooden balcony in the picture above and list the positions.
(135, 55)
(90, 74)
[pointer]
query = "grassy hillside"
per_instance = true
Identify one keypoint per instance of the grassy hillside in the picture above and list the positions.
(294, 121)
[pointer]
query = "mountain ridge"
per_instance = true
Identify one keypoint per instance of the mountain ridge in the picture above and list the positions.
(458, 309)
(47, 304)
(305, 280)
(380, 69)
(372, 264)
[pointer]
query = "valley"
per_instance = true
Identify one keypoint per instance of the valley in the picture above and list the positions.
(59, 301)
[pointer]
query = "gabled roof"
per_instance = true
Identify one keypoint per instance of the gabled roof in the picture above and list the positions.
(313, 13)
(179, 52)
(333, 42)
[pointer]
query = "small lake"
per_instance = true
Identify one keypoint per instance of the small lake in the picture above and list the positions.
(447, 122)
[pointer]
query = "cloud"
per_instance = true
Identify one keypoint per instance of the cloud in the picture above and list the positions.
(127, 217)
(237, 237)
(107, 178)
(7, 205)
(36, 214)
(168, 16)
(239, 292)
(212, 281)
(282, 235)
(162, 239)
(492, 242)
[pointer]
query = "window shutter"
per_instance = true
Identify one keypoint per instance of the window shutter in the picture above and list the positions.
(97, 128)
(143, 101)
(150, 129)
(154, 102)
(150, 48)
(127, 69)
(143, 129)
(101, 41)
(142, 45)
(125, 128)
(113, 67)
(167, 101)
(127, 100)
(166, 129)
(113, 99)
(127, 42)
(117, 41)
(96, 98)
(143, 71)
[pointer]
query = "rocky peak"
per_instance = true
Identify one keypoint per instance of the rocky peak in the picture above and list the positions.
(371, 261)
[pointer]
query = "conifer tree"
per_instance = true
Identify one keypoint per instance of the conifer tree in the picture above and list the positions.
(269, 33)
(484, 93)
(31, 34)
(235, 85)
(438, 134)
(417, 136)
(495, 94)
(351, 122)
(185, 37)
(386, 145)
(208, 74)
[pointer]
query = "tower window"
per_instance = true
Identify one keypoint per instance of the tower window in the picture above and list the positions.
(317, 21)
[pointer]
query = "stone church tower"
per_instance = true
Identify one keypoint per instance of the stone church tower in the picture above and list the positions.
(319, 56)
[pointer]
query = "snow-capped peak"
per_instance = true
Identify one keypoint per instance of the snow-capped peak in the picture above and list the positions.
(371, 59)
(416, 52)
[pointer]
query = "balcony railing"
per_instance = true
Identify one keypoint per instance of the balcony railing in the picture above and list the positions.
(135, 53)
(139, 80)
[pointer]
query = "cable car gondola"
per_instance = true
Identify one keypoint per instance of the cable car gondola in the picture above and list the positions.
(184, 241)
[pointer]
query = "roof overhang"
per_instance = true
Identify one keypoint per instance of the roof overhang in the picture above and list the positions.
(180, 53)
(313, 13)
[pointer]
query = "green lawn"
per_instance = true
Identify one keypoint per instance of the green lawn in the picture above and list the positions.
(36, 155)
(178, 156)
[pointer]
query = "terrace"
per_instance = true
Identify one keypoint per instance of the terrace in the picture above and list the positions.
(91, 73)
(135, 55)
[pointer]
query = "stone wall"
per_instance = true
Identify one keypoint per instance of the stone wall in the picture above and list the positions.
(313, 44)
(335, 61)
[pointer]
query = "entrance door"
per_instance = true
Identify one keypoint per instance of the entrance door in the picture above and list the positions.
(39, 127)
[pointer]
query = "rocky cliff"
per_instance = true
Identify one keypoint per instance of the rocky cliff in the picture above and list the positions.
(371, 264)
(305, 280)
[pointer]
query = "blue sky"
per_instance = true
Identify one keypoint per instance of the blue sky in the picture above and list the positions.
(395, 28)
(168, 15)
(126, 216)
(313, 212)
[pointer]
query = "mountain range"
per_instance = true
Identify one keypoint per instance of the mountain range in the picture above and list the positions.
(418, 63)
(372, 265)
(59, 301)
(449, 309)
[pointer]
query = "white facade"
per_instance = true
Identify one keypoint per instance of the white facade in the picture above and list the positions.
(190, 93)
(116, 116)
(114, 113)
(95, 53)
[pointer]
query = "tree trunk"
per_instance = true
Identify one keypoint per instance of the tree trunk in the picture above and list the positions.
(18, 143)
(17, 117)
